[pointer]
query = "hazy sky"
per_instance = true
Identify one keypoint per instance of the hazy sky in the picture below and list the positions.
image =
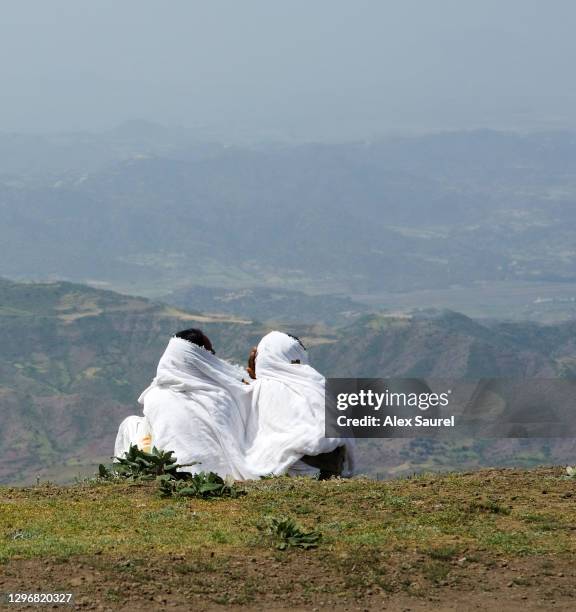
(306, 68)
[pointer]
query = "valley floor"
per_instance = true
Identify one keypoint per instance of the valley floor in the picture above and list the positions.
(491, 540)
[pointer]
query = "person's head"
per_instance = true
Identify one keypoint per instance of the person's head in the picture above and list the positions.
(297, 340)
(197, 337)
(283, 347)
(277, 347)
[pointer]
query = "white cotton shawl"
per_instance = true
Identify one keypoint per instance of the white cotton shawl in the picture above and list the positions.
(133, 430)
(198, 407)
(288, 409)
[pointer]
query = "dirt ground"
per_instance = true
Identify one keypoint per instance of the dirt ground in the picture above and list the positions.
(290, 582)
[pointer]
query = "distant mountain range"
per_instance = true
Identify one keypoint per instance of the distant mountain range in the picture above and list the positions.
(447, 344)
(269, 304)
(73, 360)
(162, 213)
(49, 155)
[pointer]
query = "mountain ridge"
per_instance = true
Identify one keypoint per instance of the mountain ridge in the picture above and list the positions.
(74, 359)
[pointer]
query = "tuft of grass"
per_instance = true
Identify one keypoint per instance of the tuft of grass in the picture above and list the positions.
(21, 534)
(488, 505)
(443, 553)
(544, 522)
(436, 571)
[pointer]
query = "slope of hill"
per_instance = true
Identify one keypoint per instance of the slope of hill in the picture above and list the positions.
(443, 345)
(439, 344)
(74, 359)
(75, 154)
(493, 540)
(72, 362)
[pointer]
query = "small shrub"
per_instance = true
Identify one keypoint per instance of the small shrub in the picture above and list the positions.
(290, 534)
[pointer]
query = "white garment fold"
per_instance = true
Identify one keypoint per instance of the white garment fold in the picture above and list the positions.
(198, 407)
(288, 409)
(133, 431)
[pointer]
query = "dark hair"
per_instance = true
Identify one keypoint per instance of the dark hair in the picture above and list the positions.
(195, 336)
(297, 340)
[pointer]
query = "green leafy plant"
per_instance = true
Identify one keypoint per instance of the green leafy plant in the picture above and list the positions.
(203, 485)
(289, 534)
(141, 465)
(161, 466)
(268, 476)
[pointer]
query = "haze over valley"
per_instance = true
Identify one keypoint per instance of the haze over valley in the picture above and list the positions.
(399, 223)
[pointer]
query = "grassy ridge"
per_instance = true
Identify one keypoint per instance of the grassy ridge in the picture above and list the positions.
(382, 541)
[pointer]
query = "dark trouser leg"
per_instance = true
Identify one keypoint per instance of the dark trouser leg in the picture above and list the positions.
(329, 464)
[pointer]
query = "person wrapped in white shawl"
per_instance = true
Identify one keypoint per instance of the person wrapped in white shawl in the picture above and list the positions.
(197, 406)
(288, 414)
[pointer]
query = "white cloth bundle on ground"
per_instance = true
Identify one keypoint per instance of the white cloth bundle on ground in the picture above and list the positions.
(198, 407)
(288, 417)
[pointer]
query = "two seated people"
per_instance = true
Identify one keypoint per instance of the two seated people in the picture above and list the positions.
(209, 411)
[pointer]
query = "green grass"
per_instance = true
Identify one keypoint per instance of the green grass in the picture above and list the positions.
(435, 514)
(298, 543)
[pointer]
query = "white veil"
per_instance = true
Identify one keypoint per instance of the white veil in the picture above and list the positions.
(198, 407)
(288, 407)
